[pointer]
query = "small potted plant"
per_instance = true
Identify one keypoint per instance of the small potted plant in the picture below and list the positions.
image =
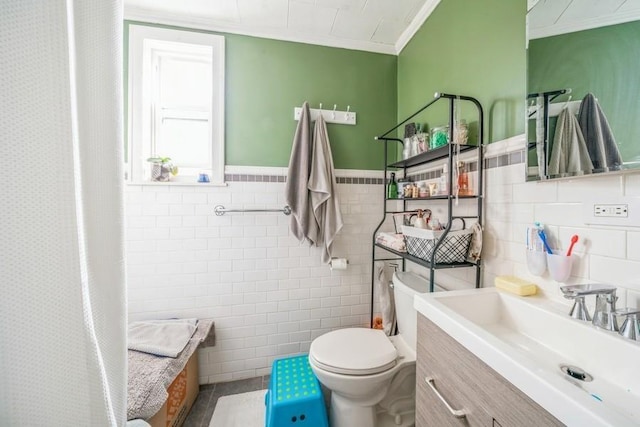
(162, 169)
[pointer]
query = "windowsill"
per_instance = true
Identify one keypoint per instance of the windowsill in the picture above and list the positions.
(178, 184)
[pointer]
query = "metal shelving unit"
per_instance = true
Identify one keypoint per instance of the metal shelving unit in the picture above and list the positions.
(446, 152)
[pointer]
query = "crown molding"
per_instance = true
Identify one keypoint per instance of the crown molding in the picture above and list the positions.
(420, 18)
(203, 23)
(586, 24)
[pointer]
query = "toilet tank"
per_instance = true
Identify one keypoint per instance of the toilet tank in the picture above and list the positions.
(405, 286)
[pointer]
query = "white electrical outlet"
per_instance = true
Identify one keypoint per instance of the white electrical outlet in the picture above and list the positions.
(622, 211)
(613, 211)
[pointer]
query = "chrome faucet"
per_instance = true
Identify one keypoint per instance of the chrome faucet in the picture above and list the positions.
(604, 314)
(630, 328)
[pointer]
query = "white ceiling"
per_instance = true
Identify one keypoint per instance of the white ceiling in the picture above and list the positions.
(551, 17)
(373, 25)
(384, 26)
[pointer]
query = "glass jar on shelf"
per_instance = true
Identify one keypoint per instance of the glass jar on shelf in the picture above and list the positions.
(439, 137)
(423, 142)
(461, 132)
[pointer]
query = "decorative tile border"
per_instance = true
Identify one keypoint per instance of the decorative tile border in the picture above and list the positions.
(254, 178)
(348, 180)
(508, 159)
(434, 174)
(281, 178)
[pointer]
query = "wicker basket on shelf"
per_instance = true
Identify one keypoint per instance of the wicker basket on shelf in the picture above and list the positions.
(421, 244)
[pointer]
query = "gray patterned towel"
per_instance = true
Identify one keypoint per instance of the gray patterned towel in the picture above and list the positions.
(150, 375)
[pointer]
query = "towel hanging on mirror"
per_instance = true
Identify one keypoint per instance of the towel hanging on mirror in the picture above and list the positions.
(598, 136)
(569, 154)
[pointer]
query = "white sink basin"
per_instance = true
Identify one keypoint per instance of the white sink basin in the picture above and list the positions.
(527, 339)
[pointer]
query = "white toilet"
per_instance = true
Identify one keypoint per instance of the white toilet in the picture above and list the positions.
(372, 377)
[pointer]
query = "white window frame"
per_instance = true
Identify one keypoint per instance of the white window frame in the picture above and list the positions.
(140, 121)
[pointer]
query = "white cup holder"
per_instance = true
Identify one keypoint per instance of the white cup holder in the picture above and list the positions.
(536, 262)
(559, 266)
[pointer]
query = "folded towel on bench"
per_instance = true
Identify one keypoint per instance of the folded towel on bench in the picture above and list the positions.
(161, 337)
(150, 375)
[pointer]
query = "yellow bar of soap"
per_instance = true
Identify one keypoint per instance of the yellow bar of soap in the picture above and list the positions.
(515, 285)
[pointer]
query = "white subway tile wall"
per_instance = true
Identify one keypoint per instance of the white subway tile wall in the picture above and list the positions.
(608, 254)
(269, 295)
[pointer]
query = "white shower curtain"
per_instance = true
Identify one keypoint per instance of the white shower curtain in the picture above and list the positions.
(62, 305)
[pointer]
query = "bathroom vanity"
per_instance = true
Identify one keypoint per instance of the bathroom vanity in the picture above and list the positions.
(475, 393)
(490, 358)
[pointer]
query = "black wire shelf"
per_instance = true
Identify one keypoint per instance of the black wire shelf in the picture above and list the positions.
(444, 197)
(429, 156)
(424, 263)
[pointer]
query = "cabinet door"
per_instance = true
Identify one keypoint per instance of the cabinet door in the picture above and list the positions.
(431, 411)
(490, 399)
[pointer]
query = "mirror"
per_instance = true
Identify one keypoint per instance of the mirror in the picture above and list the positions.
(575, 48)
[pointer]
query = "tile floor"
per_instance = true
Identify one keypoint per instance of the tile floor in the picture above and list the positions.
(202, 410)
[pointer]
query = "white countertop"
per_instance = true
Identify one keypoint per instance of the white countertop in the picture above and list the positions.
(524, 362)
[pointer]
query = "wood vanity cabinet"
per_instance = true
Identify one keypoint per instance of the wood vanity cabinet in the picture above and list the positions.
(466, 383)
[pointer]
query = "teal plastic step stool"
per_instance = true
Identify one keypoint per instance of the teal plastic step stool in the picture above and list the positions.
(294, 397)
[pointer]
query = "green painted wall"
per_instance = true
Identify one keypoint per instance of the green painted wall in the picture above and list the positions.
(604, 61)
(266, 79)
(474, 48)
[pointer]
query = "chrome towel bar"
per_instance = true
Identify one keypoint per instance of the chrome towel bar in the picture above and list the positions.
(220, 210)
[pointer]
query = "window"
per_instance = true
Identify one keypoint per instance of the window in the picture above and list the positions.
(176, 102)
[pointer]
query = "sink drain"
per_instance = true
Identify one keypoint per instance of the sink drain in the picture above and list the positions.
(575, 372)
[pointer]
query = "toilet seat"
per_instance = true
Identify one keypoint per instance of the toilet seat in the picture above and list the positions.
(354, 351)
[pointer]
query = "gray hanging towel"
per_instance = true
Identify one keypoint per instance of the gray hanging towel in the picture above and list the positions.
(569, 154)
(598, 135)
(323, 192)
(303, 223)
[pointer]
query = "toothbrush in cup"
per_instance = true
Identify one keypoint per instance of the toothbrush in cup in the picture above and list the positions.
(543, 237)
(574, 240)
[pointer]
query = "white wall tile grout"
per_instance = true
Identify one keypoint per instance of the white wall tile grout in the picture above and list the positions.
(268, 294)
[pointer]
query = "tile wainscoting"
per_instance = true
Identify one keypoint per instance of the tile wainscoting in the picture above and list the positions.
(270, 296)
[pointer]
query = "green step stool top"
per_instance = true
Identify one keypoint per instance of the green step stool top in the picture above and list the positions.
(294, 397)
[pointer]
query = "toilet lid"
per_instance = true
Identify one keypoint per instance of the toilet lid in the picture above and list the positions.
(354, 351)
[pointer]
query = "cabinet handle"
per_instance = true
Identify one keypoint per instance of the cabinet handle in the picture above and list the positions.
(458, 413)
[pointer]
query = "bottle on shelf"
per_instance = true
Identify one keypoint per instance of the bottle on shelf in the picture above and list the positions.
(423, 190)
(402, 183)
(392, 187)
(464, 189)
(406, 151)
(443, 182)
(408, 191)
